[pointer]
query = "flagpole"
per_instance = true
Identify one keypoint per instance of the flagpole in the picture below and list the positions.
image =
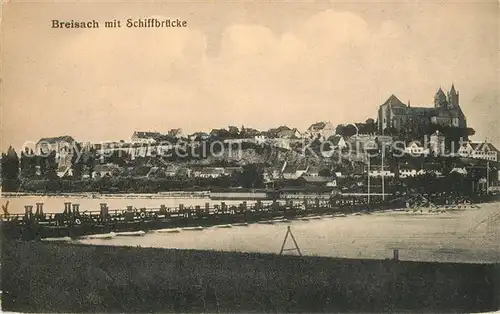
(383, 185)
(368, 172)
(487, 176)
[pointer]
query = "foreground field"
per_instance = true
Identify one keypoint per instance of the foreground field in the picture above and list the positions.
(43, 277)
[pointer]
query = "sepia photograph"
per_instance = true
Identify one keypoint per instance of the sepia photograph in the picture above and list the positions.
(314, 156)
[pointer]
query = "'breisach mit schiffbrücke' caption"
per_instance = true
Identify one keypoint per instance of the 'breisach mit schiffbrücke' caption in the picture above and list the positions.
(129, 23)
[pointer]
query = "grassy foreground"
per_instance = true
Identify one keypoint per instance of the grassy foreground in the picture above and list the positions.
(44, 277)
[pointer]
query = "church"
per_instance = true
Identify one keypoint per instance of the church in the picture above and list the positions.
(394, 115)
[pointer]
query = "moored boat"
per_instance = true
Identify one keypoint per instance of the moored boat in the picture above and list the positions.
(315, 217)
(103, 236)
(169, 230)
(131, 234)
(224, 226)
(193, 228)
(241, 224)
(62, 239)
(282, 220)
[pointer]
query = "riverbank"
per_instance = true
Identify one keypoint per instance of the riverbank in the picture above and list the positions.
(43, 277)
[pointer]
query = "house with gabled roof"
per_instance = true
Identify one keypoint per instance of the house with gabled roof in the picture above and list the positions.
(320, 130)
(337, 142)
(292, 172)
(146, 137)
(407, 170)
(59, 144)
(177, 133)
(64, 148)
(415, 148)
(317, 181)
(431, 168)
(479, 150)
(283, 132)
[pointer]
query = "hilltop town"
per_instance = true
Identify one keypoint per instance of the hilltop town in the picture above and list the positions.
(403, 142)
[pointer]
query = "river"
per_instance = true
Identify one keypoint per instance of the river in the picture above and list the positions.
(471, 235)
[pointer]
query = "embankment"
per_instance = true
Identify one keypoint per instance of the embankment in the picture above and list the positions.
(42, 277)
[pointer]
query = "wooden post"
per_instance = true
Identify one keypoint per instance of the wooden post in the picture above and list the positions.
(289, 232)
(316, 201)
(67, 208)
(305, 203)
(28, 212)
(76, 208)
(244, 205)
(395, 254)
(223, 207)
(104, 212)
(274, 206)
(163, 210)
(207, 208)
(39, 210)
(258, 205)
(198, 210)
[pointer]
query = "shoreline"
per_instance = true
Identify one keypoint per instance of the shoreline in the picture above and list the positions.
(173, 194)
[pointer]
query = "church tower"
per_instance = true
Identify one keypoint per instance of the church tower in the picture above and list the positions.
(440, 99)
(453, 97)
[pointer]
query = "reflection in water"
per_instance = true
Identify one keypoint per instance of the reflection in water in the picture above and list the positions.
(56, 204)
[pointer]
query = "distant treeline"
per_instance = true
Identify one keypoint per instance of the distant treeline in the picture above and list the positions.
(250, 177)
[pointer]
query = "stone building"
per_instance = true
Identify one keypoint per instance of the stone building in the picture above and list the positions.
(395, 115)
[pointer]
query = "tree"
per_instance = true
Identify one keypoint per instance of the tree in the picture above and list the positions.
(339, 129)
(10, 164)
(349, 130)
(27, 163)
(76, 161)
(325, 172)
(89, 160)
(51, 166)
(390, 131)
(10, 170)
(118, 157)
(233, 131)
(250, 177)
(370, 126)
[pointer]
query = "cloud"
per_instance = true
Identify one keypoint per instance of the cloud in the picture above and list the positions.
(333, 65)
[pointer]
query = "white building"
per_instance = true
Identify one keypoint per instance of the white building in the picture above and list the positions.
(437, 144)
(145, 137)
(415, 148)
(479, 150)
(407, 171)
(377, 171)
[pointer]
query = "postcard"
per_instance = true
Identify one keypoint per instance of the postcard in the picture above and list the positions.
(250, 156)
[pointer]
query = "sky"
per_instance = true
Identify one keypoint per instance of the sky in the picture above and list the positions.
(260, 65)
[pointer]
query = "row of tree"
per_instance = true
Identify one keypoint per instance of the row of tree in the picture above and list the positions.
(31, 172)
(250, 177)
